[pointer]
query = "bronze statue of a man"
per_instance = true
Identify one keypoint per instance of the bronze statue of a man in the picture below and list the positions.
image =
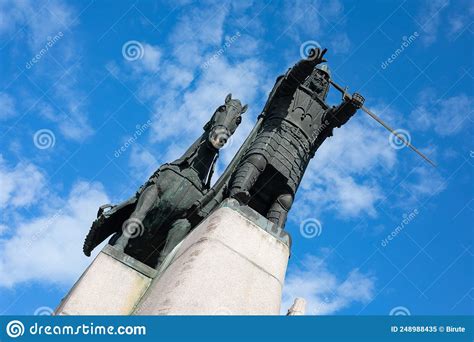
(297, 120)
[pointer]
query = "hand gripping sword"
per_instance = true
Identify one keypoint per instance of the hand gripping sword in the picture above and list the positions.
(380, 121)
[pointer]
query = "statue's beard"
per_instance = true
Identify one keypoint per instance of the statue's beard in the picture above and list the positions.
(218, 137)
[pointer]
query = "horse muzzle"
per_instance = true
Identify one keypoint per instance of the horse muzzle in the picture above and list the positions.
(219, 136)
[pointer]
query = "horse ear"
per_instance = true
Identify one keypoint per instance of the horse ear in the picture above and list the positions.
(244, 109)
(228, 98)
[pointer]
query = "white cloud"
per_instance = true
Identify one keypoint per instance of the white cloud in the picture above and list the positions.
(21, 185)
(461, 19)
(150, 61)
(444, 116)
(309, 18)
(48, 248)
(42, 19)
(324, 292)
(340, 43)
(424, 182)
(332, 181)
(198, 104)
(430, 19)
(142, 163)
(34, 23)
(151, 57)
(7, 106)
(73, 125)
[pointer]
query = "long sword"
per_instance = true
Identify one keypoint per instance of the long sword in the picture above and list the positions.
(380, 121)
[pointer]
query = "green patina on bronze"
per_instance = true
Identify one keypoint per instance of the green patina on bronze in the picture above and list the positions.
(262, 179)
(140, 225)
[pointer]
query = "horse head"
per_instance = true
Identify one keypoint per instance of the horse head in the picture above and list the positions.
(225, 121)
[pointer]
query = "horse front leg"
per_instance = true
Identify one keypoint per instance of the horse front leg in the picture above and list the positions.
(178, 231)
(145, 203)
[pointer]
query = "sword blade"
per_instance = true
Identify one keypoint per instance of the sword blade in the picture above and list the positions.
(387, 127)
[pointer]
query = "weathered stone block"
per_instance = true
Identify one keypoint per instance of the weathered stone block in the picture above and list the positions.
(112, 285)
(233, 263)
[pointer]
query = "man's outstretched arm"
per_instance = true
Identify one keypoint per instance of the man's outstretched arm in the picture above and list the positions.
(338, 116)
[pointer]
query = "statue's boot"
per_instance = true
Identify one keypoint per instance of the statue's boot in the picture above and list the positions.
(245, 178)
(278, 211)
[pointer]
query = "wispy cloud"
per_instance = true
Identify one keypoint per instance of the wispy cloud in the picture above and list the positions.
(7, 106)
(430, 19)
(47, 248)
(32, 25)
(325, 292)
(333, 182)
(444, 116)
(21, 185)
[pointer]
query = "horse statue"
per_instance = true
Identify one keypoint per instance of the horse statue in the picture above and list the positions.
(267, 170)
(140, 224)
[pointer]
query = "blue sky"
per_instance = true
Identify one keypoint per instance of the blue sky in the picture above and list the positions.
(70, 98)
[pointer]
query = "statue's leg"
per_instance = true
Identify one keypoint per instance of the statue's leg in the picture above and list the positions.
(246, 176)
(278, 212)
(145, 203)
(178, 231)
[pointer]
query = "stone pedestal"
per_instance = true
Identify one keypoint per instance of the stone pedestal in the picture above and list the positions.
(233, 263)
(112, 285)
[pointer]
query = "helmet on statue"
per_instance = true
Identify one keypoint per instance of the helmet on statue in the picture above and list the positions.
(324, 68)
